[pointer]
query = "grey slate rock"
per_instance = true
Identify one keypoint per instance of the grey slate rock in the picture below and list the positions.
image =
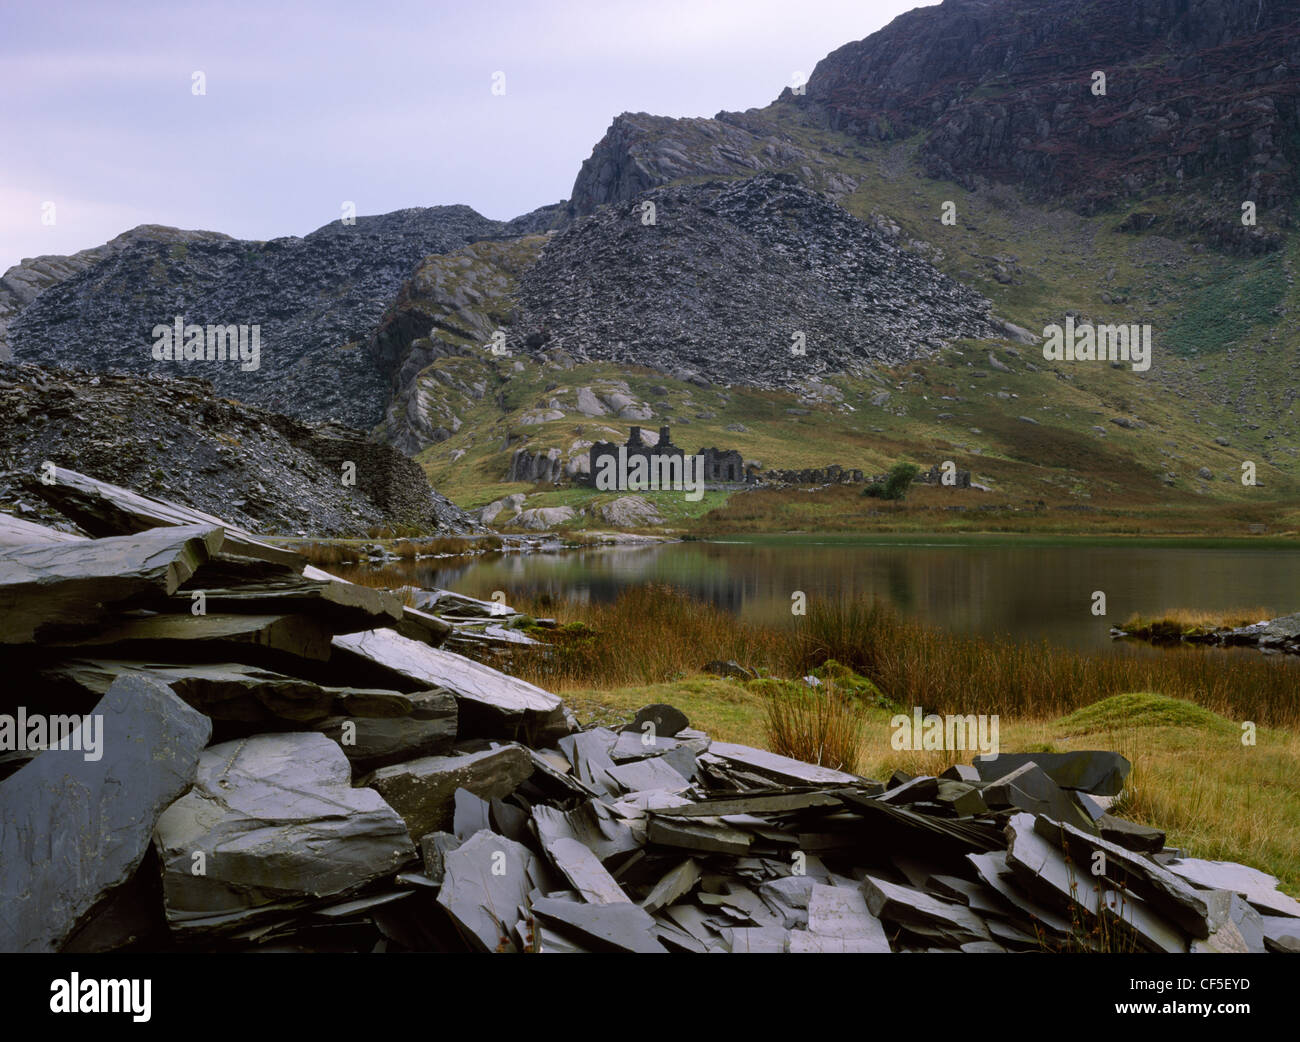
(1098, 772)
(487, 879)
(1259, 888)
(72, 830)
(434, 849)
(280, 826)
(609, 927)
(423, 791)
(49, 590)
(667, 720)
(919, 912)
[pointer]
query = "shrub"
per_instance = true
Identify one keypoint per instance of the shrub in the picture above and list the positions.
(896, 483)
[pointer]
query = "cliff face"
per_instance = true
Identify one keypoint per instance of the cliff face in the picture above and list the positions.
(1003, 89)
(640, 152)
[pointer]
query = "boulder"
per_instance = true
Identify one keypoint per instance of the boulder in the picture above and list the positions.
(274, 823)
(73, 829)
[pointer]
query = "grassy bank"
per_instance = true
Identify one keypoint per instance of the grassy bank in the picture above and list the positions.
(1177, 716)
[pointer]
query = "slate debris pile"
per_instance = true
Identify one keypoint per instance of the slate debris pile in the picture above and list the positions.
(305, 766)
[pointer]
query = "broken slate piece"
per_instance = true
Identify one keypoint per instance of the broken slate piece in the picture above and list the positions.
(609, 927)
(434, 849)
(1042, 867)
(648, 776)
(758, 940)
(842, 913)
(279, 826)
(782, 769)
(1259, 888)
(674, 885)
(492, 704)
(914, 909)
(423, 791)
(486, 880)
(699, 835)
(73, 829)
(585, 872)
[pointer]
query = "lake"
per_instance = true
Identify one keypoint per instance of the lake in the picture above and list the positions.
(990, 587)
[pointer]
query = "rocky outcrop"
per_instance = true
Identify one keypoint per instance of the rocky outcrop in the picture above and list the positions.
(262, 470)
(535, 466)
(760, 282)
(316, 300)
(630, 512)
(26, 281)
(1202, 91)
(640, 152)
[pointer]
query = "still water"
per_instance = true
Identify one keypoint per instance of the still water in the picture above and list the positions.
(991, 588)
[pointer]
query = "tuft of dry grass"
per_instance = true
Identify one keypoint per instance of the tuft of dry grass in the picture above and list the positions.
(816, 725)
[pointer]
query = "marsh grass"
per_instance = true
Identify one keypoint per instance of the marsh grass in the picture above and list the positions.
(653, 634)
(1176, 623)
(821, 725)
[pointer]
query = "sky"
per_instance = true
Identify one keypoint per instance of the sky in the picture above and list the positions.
(306, 106)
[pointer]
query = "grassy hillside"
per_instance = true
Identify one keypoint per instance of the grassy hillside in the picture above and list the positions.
(1155, 450)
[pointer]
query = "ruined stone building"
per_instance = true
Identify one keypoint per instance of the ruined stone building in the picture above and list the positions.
(723, 465)
(635, 446)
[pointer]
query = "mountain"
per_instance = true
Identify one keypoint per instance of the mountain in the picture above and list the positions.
(1200, 98)
(943, 192)
(315, 299)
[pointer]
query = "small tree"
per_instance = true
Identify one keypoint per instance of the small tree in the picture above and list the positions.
(896, 483)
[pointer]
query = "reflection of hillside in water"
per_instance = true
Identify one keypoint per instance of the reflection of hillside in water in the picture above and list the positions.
(1034, 592)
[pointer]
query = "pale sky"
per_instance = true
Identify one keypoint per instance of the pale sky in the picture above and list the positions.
(384, 104)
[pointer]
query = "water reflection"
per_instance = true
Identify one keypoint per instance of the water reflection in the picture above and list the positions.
(1032, 592)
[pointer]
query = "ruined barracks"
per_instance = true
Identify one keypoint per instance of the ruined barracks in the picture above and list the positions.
(721, 466)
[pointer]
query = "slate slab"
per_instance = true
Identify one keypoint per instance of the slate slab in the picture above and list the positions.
(278, 825)
(1098, 772)
(609, 927)
(914, 909)
(782, 769)
(423, 791)
(486, 881)
(1259, 888)
(52, 590)
(73, 829)
(492, 704)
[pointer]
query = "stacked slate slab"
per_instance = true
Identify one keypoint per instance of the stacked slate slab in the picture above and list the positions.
(289, 762)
